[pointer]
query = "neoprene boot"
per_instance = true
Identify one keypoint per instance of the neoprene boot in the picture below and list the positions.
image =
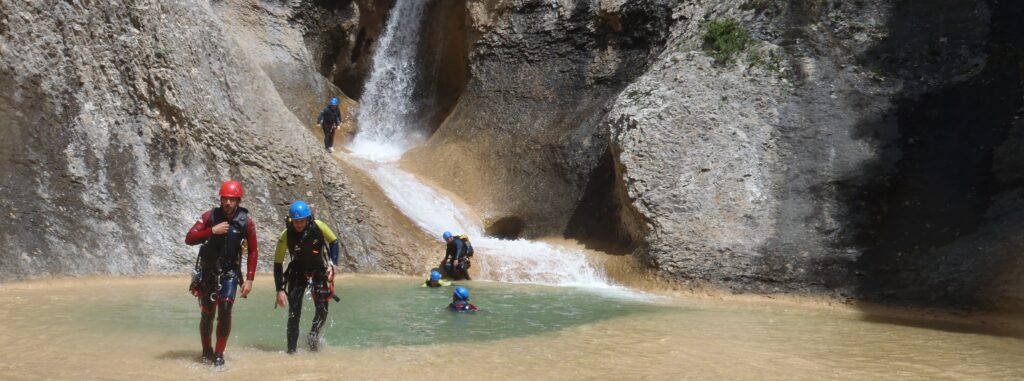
(207, 355)
(218, 359)
(314, 342)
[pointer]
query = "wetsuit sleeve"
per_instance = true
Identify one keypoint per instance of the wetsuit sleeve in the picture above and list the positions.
(335, 248)
(449, 251)
(199, 232)
(332, 238)
(254, 250)
(279, 276)
(320, 119)
(282, 247)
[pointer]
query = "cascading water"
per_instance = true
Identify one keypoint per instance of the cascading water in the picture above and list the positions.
(517, 261)
(387, 105)
(386, 132)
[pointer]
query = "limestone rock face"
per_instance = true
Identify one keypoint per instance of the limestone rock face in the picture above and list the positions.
(844, 152)
(121, 120)
(869, 149)
(866, 149)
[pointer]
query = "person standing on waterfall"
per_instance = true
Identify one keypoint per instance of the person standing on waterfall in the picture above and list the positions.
(305, 239)
(329, 120)
(221, 232)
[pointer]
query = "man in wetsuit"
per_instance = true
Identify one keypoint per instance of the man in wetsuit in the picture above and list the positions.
(221, 232)
(329, 120)
(313, 249)
(456, 256)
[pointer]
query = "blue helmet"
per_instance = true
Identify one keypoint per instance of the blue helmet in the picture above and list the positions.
(435, 275)
(334, 102)
(446, 235)
(299, 210)
(461, 293)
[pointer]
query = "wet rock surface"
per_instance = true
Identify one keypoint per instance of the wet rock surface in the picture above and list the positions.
(525, 133)
(859, 149)
(122, 119)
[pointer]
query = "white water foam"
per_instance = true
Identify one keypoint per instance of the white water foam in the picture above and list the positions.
(514, 261)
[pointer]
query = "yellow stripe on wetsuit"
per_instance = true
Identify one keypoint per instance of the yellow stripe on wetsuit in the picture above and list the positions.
(282, 242)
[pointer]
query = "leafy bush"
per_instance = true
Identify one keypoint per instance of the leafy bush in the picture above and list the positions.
(724, 39)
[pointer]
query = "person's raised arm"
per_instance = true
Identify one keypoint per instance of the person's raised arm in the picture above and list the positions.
(199, 231)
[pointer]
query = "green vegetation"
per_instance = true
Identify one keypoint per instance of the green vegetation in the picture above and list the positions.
(725, 39)
(772, 62)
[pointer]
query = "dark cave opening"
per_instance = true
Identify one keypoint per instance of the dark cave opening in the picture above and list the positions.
(506, 228)
(443, 56)
(604, 220)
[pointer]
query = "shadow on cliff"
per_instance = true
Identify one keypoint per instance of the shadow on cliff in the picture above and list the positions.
(23, 152)
(929, 221)
(604, 219)
(525, 141)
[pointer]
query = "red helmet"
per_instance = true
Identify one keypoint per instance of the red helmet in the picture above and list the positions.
(231, 188)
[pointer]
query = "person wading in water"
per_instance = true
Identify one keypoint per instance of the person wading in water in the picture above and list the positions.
(221, 232)
(313, 249)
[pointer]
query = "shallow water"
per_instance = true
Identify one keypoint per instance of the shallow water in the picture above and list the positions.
(389, 328)
(373, 312)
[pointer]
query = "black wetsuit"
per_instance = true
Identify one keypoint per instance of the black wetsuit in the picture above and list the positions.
(456, 250)
(308, 268)
(329, 120)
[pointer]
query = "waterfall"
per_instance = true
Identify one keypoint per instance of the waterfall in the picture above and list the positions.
(387, 105)
(387, 131)
(515, 261)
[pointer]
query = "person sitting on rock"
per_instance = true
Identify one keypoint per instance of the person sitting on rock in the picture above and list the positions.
(435, 280)
(456, 256)
(329, 120)
(460, 301)
(313, 249)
